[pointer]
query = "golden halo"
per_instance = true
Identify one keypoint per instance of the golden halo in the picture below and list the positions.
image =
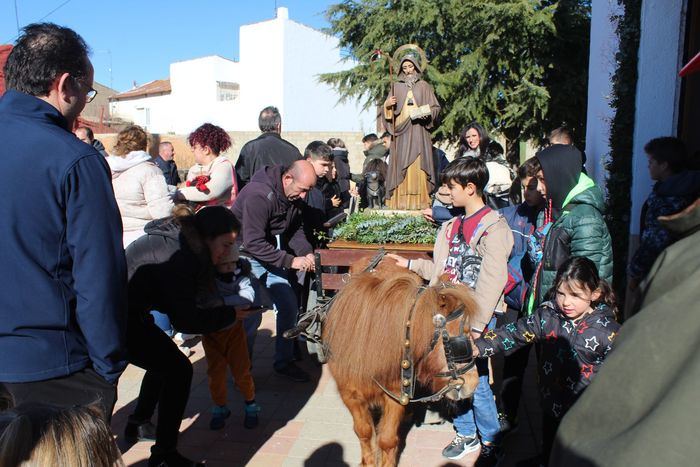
(399, 53)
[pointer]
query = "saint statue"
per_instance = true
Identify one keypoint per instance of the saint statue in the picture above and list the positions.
(410, 112)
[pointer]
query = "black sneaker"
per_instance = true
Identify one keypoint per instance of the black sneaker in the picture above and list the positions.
(293, 372)
(507, 423)
(139, 431)
(461, 446)
(172, 459)
(489, 456)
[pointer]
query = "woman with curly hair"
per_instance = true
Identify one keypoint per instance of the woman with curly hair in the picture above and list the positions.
(211, 181)
(139, 186)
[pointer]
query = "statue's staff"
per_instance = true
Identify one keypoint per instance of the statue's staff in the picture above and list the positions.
(377, 55)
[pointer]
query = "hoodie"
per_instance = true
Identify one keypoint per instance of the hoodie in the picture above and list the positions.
(342, 167)
(576, 205)
(271, 224)
(168, 269)
(140, 189)
(668, 197)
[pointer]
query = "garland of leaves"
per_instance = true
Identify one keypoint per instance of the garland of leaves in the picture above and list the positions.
(372, 227)
(619, 166)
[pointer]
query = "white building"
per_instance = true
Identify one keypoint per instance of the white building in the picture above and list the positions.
(280, 61)
(666, 105)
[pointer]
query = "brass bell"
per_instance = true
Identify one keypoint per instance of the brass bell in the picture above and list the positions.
(407, 343)
(406, 382)
(404, 399)
(405, 364)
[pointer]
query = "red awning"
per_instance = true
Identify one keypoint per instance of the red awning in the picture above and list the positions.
(693, 66)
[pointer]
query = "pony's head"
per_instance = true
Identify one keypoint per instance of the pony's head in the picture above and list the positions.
(395, 318)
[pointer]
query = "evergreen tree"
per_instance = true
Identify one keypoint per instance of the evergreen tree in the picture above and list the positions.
(519, 67)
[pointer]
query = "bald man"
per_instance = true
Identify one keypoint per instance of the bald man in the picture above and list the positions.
(272, 239)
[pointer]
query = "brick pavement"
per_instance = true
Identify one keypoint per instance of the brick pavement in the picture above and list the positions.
(300, 424)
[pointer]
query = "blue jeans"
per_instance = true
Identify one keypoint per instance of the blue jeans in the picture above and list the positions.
(276, 281)
(163, 322)
(480, 413)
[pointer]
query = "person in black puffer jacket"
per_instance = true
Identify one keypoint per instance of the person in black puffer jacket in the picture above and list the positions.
(168, 269)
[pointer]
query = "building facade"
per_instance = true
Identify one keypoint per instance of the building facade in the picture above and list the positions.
(280, 61)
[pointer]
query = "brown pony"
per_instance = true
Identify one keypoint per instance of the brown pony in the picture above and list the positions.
(365, 332)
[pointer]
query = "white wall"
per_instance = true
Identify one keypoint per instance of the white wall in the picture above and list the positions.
(658, 88)
(601, 68)
(194, 93)
(159, 108)
(311, 105)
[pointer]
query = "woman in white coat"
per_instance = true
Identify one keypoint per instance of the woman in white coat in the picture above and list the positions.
(139, 185)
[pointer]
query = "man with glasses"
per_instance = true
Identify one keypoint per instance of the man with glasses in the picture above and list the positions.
(63, 287)
(86, 135)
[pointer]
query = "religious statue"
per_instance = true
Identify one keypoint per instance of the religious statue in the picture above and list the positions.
(410, 111)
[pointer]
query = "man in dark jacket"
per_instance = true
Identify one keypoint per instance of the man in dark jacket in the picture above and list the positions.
(269, 209)
(86, 135)
(165, 160)
(575, 205)
(268, 149)
(63, 288)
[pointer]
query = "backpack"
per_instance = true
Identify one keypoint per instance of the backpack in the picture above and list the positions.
(517, 287)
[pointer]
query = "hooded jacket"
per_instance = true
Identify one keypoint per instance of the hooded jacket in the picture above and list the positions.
(667, 197)
(577, 208)
(342, 167)
(169, 268)
(63, 287)
(266, 214)
(140, 189)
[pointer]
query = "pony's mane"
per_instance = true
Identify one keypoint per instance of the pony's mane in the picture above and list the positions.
(365, 328)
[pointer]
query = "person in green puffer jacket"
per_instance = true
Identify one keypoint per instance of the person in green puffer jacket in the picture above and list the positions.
(575, 206)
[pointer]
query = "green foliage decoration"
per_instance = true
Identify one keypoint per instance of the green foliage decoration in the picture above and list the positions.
(619, 166)
(519, 67)
(372, 228)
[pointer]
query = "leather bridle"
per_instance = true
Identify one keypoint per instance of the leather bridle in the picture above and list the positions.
(457, 349)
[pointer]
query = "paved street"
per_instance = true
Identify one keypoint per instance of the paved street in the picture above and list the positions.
(300, 424)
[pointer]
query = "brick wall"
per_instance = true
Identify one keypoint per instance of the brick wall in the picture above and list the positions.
(185, 158)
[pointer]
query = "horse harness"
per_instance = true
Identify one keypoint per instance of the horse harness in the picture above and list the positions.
(457, 349)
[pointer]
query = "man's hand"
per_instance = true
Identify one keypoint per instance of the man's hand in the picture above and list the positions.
(303, 263)
(400, 260)
(335, 201)
(428, 214)
(390, 102)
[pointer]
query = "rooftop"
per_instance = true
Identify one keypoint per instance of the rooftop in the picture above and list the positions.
(156, 87)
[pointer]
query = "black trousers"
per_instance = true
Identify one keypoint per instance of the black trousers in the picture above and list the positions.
(513, 371)
(83, 387)
(166, 382)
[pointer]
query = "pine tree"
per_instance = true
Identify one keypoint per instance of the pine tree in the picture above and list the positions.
(519, 67)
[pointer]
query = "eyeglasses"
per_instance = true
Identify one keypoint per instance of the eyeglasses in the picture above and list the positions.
(90, 95)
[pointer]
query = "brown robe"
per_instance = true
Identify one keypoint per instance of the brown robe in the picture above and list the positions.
(412, 139)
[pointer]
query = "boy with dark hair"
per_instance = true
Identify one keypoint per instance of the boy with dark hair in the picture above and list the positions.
(675, 189)
(318, 154)
(373, 149)
(472, 249)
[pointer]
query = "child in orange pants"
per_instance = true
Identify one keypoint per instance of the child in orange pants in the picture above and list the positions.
(229, 348)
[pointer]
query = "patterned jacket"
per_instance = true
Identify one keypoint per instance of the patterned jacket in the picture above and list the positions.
(668, 197)
(570, 353)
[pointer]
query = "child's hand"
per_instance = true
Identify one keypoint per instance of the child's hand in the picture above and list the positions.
(475, 349)
(335, 201)
(400, 260)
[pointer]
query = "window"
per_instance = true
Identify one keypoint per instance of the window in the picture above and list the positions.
(227, 91)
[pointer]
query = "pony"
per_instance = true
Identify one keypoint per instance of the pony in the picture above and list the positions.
(381, 322)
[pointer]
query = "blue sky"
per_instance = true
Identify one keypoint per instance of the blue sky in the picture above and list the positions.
(143, 37)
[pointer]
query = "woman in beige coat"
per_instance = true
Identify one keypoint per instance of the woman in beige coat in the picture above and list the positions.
(139, 186)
